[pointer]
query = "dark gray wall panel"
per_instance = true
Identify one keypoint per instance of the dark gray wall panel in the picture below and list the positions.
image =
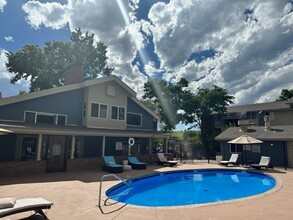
(147, 119)
(7, 147)
(93, 146)
(69, 103)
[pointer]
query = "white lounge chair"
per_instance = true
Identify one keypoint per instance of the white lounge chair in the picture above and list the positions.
(263, 163)
(12, 206)
(233, 160)
(163, 160)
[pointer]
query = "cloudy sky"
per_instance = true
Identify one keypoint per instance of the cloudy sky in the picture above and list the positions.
(245, 47)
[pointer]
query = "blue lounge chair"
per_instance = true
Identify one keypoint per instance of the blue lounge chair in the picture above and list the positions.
(135, 164)
(111, 166)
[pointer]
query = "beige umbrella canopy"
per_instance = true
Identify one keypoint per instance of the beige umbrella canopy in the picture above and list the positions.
(4, 131)
(245, 139)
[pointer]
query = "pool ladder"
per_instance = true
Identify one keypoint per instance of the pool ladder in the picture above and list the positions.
(110, 197)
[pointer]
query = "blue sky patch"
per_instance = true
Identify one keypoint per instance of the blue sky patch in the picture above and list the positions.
(198, 57)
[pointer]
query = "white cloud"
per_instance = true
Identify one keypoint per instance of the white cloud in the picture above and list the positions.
(53, 15)
(4, 74)
(103, 18)
(250, 45)
(252, 40)
(9, 38)
(109, 22)
(133, 77)
(6, 87)
(150, 69)
(2, 4)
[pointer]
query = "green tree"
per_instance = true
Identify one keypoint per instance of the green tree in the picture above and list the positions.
(286, 94)
(195, 138)
(199, 109)
(21, 92)
(192, 136)
(148, 103)
(196, 109)
(46, 67)
(166, 97)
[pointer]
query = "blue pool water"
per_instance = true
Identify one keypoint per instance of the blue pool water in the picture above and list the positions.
(192, 187)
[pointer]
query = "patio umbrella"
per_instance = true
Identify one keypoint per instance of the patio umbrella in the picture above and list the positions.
(245, 139)
(4, 131)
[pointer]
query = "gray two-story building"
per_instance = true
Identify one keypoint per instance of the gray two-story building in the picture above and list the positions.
(71, 127)
(270, 122)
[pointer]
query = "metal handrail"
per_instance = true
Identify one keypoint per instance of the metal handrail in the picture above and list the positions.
(110, 197)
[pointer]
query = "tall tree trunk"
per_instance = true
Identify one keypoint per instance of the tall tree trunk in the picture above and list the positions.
(204, 138)
(205, 144)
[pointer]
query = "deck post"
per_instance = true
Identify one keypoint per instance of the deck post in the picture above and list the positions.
(40, 140)
(72, 147)
(103, 145)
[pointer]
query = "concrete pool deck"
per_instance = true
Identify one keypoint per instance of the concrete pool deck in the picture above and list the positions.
(75, 196)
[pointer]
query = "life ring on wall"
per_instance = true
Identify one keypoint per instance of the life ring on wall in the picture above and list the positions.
(131, 141)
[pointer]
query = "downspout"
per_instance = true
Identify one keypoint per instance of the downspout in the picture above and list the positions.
(241, 154)
(103, 145)
(39, 150)
(285, 156)
(72, 147)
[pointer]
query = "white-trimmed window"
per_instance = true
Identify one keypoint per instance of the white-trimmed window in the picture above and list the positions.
(30, 117)
(134, 119)
(118, 113)
(99, 110)
(61, 119)
(44, 117)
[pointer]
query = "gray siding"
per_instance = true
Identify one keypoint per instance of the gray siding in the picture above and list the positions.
(110, 146)
(141, 143)
(69, 103)
(93, 146)
(275, 151)
(147, 119)
(7, 147)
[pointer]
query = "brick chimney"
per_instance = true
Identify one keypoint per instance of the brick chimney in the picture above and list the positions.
(267, 122)
(243, 124)
(73, 74)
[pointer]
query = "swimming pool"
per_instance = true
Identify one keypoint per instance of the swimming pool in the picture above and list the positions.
(189, 187)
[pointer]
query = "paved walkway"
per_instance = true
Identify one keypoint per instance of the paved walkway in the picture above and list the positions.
(75, 196)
